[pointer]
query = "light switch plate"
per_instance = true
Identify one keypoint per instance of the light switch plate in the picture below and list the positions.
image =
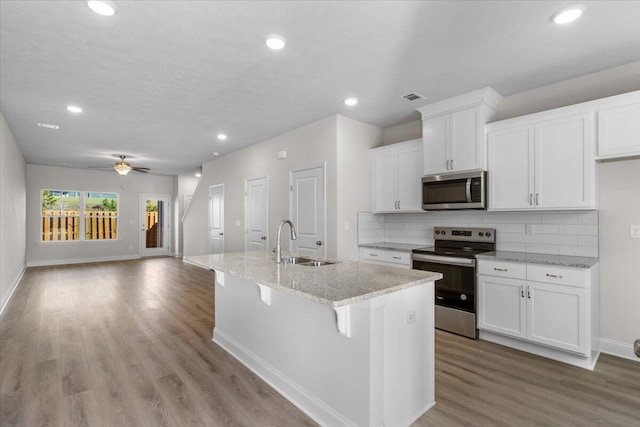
(634, 231)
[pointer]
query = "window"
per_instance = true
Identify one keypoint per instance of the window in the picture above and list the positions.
(76, 215)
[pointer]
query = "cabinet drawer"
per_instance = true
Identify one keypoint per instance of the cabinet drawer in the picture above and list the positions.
(502, 269)
(557, 275)
(373, 254)
(398, 257)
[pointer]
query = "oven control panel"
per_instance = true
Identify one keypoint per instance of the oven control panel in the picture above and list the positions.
(465, 234)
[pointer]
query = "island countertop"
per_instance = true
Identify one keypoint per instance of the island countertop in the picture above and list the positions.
(335, 285)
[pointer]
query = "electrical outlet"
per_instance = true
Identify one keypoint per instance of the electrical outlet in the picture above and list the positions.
(634, 231)
(409, 317)
(531, 229)
(237, 223)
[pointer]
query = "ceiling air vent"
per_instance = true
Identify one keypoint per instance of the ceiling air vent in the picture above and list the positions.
(413, 97)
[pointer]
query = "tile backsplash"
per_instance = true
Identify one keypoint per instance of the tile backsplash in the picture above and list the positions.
(562, 233)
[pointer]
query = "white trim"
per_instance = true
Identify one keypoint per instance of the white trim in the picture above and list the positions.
(12, 288)
(307, 402)
(618, 348)
(485, 95)
(81, 260)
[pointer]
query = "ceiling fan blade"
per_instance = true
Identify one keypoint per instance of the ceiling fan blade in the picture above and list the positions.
(142, 170)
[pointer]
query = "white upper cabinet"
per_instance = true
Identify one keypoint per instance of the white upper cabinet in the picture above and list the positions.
(453, 132)
(542, 162)
(619, 126)
(397, 177)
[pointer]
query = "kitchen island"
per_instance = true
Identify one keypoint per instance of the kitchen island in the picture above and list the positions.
(348, 343)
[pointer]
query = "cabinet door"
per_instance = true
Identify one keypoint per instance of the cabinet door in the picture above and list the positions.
(564, 163)
(435, 136)
(410, 177)
(502, 306)
(511, 168)
(385, 175)
(465, 151)
(619, 131)
(557, 316)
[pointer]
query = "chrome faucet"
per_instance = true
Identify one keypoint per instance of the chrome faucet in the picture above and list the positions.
(294, 236)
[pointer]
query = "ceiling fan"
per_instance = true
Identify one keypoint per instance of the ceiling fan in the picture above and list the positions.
(123, 167)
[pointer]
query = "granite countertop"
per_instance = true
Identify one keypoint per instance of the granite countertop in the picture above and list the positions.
(402, 247)
(335, 285)
(533, 258)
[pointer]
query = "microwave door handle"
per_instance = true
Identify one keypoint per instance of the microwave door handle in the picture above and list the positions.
(468, 190)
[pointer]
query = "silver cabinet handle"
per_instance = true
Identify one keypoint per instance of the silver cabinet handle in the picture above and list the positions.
(398, 204)
(373, 254)
(522, 291)
(451, 164)
(537, 199)
(263, 238)
(531, 199)
(553, 275)
(500, 269)
(397, 257)
(447, 165)
(529, 292)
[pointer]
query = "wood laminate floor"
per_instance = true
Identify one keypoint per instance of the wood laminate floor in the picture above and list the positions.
(129, 344)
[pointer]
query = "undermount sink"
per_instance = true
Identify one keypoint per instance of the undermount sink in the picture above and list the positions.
(296, 260)
(307, 262)
(314, 263)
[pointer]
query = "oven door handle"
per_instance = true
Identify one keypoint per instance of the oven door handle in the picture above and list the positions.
(464, 262)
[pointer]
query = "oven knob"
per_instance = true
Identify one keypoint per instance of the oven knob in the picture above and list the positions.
(437, 231)
(463, 297)
(488, 234)
(482, 234)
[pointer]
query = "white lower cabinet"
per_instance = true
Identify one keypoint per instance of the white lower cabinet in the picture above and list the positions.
(555, 307)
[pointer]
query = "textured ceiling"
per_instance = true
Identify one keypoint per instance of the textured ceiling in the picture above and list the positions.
(160, 79)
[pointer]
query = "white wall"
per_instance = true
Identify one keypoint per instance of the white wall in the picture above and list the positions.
(619, 254)
(129, 189)
(12, 213)
(355, 139)
(403, 132)
(310, 145)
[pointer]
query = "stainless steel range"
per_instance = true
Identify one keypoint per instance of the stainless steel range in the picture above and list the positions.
(454, 255)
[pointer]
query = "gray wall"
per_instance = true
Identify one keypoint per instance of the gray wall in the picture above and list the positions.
(129, 189)
(12, 213)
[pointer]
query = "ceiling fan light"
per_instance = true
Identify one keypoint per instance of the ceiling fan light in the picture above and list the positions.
(122, 168)
(102, 7)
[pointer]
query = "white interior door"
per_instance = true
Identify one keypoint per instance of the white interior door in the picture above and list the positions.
(216, 219)
(256, 214)
(155, 218)
(308, 211)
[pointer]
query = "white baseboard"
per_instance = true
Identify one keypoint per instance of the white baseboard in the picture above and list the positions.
(308, 403)
(81, 260)
(12, 288)
(177, 254)
(617, 348)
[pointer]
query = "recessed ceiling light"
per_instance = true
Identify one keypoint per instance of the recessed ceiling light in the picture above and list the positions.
(222, 136)
(74, 109)
(568, 14)
(48, 126)
(102, 7)
(198, 174)
(351, 101)
(275, 41)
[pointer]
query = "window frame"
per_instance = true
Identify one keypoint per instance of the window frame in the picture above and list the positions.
(82, 195)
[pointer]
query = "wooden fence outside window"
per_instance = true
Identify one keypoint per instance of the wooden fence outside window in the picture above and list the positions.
(65, 225)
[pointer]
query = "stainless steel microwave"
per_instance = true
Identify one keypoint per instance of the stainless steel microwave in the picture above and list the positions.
(466, 190)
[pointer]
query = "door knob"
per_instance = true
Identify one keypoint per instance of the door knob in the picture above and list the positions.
(221, 234)
(319, 243)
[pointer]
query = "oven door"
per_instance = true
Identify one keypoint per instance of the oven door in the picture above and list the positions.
(457, 287)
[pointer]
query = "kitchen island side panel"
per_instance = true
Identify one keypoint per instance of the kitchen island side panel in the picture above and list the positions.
(381, 374)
